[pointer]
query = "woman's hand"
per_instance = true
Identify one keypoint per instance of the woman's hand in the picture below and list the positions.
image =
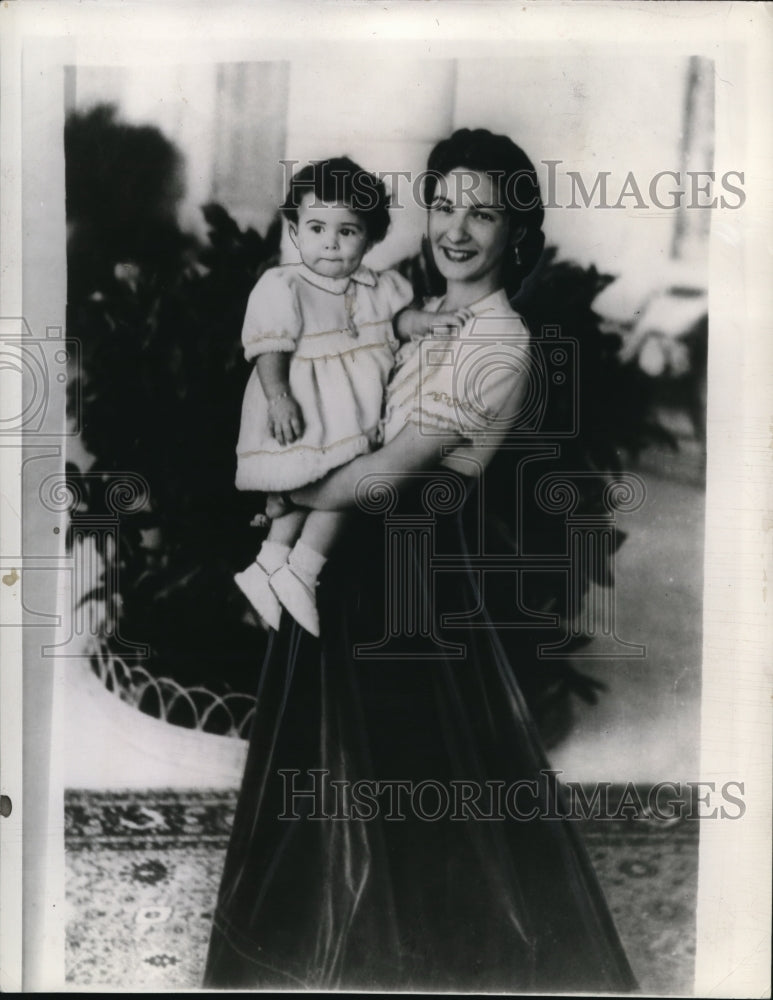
(285, 419)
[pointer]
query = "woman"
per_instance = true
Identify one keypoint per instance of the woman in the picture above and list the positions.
(370, 849)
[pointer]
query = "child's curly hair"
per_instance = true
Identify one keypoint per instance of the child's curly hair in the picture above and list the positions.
(340, 179)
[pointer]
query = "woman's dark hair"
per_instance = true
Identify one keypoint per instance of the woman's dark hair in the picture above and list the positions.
(342, 180)
(517, 185)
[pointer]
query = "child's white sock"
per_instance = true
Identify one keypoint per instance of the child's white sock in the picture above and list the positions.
(295, 584)
(306, 563)
(272, 555)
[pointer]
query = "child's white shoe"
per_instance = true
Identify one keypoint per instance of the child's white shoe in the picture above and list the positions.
(297, 597)
(254, 584)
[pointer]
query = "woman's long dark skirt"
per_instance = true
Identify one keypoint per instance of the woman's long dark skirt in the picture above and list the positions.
(400, 887)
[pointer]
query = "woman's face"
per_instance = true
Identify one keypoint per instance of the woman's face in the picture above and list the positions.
(468, 229)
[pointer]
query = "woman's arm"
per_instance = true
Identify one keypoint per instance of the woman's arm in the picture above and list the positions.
(408, 452)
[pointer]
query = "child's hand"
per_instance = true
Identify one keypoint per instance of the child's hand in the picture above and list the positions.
(416, 324)
(447, 323)
(285, 419)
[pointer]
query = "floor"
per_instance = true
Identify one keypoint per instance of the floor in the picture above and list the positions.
(648, 720)
(143, 870)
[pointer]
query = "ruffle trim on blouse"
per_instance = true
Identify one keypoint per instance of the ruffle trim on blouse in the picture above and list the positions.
(265, 471)
(423, 418)
(409, 394)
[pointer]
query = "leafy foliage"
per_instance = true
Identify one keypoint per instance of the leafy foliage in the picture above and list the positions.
(162, 381)
(158, 317)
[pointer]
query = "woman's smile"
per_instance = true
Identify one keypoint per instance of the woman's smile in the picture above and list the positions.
(457, 255)
(469, 233)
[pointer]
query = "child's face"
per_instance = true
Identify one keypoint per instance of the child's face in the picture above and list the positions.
(331, 238)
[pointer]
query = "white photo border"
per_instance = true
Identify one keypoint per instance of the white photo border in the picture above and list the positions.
(39, 39)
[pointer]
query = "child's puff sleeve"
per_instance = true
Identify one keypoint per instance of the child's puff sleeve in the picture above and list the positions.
(398, 291)
(273, 319)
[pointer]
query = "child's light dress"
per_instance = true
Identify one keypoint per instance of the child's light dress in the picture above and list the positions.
(339, 331)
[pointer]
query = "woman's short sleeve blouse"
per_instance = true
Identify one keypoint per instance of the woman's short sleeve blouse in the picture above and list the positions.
(471, 383)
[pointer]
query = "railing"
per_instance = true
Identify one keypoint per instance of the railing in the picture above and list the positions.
(196, 708)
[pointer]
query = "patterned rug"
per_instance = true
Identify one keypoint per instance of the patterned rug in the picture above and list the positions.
(142, 870)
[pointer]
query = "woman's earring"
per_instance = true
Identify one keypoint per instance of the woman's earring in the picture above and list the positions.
(517, 256)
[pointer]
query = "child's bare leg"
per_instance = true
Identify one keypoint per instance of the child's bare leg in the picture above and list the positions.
(322, 530)
(273, 554)
(295, 583)
(286, 530)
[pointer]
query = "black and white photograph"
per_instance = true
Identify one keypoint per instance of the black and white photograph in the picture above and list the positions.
(385, 516)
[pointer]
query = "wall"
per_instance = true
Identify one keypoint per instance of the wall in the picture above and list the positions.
(235, 122)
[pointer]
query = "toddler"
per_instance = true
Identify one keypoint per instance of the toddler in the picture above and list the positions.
(322, 338)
